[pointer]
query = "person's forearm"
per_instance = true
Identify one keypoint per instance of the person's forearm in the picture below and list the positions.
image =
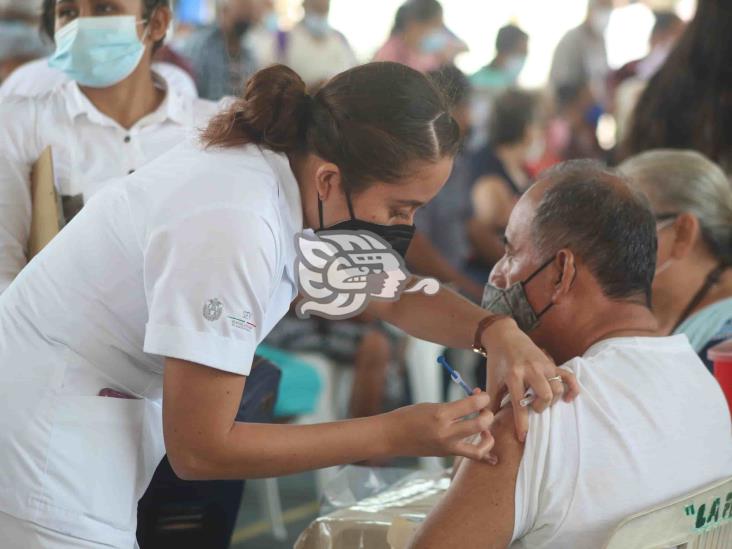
(445, 318)
(252, 450)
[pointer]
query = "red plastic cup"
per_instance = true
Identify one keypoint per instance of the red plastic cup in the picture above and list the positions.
(721, 356)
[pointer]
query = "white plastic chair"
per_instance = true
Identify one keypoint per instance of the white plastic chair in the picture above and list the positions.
(327, 410)
(702, 520)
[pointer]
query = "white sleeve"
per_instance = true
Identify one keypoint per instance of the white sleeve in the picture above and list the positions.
(547, 476)
(530, 478)
(208, 281)
(19, 149)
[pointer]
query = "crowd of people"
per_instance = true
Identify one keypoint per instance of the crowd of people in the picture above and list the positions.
(628, 246)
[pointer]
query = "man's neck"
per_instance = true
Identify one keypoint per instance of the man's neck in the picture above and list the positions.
(617, 320)
(129, 101)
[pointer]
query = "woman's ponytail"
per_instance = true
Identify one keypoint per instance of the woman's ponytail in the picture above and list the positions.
(377, 122)
(274, 113)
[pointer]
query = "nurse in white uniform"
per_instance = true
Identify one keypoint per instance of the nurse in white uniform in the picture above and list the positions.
(160, 290)
(112, 114)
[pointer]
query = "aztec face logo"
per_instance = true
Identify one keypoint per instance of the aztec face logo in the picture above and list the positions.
(340, 272)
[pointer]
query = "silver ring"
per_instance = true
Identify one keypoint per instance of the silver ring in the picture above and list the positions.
(555, 378)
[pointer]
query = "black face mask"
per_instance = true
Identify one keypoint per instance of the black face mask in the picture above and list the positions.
(397, 236)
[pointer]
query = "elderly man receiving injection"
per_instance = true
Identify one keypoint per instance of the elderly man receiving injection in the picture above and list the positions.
(576, 275)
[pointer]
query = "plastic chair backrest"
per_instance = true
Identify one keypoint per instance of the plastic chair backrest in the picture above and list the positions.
(702, 520)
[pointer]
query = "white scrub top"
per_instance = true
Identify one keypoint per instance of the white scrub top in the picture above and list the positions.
(89, 148)
(191, 257)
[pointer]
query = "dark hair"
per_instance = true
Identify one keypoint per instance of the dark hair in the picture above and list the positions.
(513, 112)
(415, 11)
(688, 102)
(48, 17)
(453, 83)
(373, 121)
(509, 37)
(593, 211)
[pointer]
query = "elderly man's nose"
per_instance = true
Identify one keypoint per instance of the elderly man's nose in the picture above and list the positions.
(497, 278)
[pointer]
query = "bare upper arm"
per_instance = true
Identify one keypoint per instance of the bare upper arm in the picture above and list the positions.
(478, 509)
(199, 409)
(492, 201)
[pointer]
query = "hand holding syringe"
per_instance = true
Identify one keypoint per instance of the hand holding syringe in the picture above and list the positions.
(455, 376)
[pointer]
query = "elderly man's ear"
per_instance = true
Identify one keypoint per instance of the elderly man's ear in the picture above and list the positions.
(566, 272)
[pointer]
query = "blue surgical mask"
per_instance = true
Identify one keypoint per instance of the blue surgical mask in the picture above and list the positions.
(317, 25)
(98, 51)
(435, 42)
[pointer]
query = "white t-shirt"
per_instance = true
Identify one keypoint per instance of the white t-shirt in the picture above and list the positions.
(191, 257)
(89, 149)
(36, 78)
(650, 424)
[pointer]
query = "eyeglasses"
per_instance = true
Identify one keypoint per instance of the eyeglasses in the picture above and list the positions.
(665, 220)
(666, 216)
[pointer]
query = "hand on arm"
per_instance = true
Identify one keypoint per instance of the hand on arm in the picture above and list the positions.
(204, 441)
(514, 361)
(478, 508)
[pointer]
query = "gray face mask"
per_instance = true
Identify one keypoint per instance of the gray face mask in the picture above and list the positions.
(514, 303)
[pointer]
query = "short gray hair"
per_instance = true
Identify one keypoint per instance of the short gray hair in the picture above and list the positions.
(592, 210)
(678, 181)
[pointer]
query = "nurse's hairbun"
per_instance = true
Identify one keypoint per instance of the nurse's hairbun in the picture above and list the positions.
(272, 113)
(377, 122)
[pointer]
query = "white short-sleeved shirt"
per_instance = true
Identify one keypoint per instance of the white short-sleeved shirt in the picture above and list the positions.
(89, 149)
(36, 78)
(191, 257)
(650, 424)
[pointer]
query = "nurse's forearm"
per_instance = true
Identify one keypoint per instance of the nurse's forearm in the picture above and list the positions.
(445, 318)
(253, 450)
(204, 442)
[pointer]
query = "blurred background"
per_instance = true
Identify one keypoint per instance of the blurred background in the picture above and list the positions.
(367, 26)
(531, 82)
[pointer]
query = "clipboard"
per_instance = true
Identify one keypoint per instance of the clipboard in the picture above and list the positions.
(47, 215)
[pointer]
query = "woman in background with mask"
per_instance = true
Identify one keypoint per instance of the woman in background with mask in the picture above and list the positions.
(160, 290)
(692, 200)
(112, 118)
(419, 38)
